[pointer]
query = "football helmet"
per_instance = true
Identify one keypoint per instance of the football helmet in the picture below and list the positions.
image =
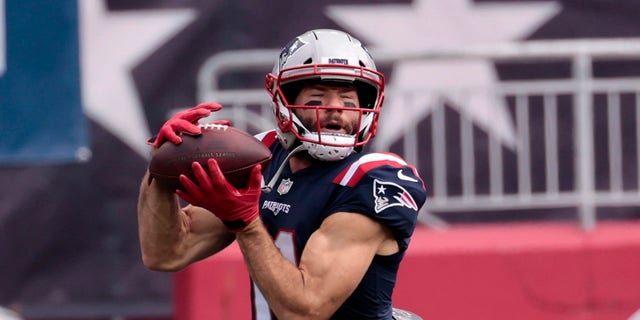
(331, 56)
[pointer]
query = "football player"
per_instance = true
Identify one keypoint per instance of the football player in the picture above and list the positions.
(324, 228)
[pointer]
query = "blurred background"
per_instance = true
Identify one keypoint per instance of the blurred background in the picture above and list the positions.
(522, 116)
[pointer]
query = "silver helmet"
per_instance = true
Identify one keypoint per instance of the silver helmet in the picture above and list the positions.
(327, 56)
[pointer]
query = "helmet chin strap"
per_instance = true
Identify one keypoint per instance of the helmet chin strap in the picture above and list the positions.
(269, 187)
(328, 152)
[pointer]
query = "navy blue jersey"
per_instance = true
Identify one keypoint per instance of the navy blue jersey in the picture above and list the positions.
(381, 186)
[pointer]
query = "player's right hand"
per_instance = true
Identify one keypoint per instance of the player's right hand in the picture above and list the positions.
(183, 122)
(235, 207)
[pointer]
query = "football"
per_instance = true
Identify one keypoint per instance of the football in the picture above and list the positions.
(236, 151)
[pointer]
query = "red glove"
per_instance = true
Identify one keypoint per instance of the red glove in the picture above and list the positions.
(236, 208)
(185, 122)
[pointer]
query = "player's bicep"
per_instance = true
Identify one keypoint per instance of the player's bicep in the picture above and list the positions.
(338, 255)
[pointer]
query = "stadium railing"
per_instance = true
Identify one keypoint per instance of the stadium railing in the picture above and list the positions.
(531, 173)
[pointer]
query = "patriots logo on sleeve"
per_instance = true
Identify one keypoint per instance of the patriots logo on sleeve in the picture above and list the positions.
(389, 194)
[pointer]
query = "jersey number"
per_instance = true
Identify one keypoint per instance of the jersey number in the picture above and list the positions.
(284, 242)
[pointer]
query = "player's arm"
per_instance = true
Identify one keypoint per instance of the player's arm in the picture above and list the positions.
(333, 263)
(172, 237)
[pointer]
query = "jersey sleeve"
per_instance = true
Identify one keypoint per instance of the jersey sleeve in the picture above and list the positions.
(385, 188)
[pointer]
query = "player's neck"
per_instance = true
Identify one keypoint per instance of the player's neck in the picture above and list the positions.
(299, 161)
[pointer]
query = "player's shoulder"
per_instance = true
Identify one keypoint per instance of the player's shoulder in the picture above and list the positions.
(385, 166)
(384, 187)
(268, 138)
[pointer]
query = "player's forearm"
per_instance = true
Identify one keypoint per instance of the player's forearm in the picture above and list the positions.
(159, 225)
(280, 281)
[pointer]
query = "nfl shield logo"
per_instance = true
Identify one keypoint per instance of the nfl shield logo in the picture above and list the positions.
(284, 186)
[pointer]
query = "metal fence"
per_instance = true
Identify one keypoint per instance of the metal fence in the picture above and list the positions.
(577, 136)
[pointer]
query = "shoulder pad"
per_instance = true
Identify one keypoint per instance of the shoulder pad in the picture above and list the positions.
(268, 138)
(351, 175)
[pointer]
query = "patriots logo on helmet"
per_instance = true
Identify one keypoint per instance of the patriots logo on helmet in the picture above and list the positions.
(289, 49)
(389, 194)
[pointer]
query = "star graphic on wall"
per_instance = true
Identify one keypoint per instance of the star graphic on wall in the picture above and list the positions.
(113, 43)
(443, 24)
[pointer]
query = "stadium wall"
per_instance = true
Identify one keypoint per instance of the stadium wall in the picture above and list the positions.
(551, 271)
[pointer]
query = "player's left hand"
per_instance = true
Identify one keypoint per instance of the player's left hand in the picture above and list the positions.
(185, 122)
(235, 207)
